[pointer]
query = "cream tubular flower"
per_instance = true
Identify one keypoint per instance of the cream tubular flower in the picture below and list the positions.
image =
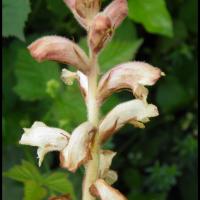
(68, 78)
(104, 24)
(77, 152)
(135, 112)
(46, 138)
(84, 10)
(104, 191)
(105, 173)
(60, 49)
(132, 75)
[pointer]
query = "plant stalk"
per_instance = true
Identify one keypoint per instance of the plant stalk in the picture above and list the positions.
(92, 167)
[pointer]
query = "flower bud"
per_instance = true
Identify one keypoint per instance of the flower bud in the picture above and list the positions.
(100, 33)
(104, 24)
(60, 49)
(104, 191)
(84, 10)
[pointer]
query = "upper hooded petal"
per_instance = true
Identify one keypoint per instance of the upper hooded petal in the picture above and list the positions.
(117, 10)
(46, 138)
(104, 191)
(135, 112)
(77, 152)
(132, 75)
(60, 49)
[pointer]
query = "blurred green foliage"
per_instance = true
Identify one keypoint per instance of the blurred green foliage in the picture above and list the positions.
(157, 163)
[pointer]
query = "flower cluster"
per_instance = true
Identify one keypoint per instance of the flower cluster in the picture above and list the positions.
(80, 147)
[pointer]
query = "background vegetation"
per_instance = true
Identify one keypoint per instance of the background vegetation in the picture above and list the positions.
(157, 163)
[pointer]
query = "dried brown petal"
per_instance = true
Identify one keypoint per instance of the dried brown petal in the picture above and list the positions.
(104, 191)
(77, 152)
(131, 75)
(135, 111)
(60, 49)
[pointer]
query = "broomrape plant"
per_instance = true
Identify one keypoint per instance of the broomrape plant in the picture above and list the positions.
(83, 145)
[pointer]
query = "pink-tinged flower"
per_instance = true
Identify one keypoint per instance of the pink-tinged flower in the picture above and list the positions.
(84, 10)
(68, 78)
(104, 191)
(116, 11)
(100, 32)
(135, 112)
(131, 75)
(77, 152)
(46, 138)
(104, 24)
(60, 49)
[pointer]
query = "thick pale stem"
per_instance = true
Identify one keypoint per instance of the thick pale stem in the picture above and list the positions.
(92, 166)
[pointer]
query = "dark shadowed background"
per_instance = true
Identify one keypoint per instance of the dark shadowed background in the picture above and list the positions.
(157, 163)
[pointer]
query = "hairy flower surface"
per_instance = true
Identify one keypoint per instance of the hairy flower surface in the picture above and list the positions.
(46, 138)
(77, 152)
(135, 112)
(132, 75)
(60, 49)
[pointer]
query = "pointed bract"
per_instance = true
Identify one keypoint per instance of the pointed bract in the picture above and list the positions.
(60, 49)
(132, 75)
(77, 152)
(104, 191)
(124, 113)
(46, 138)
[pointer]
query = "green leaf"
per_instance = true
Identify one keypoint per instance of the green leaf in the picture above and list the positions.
(153, 15)
(15, 14)
(122, 48)
(24, 172)
(32, 77)
(68, 109)
(33, 191)
(58, 182)
(171, 95)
